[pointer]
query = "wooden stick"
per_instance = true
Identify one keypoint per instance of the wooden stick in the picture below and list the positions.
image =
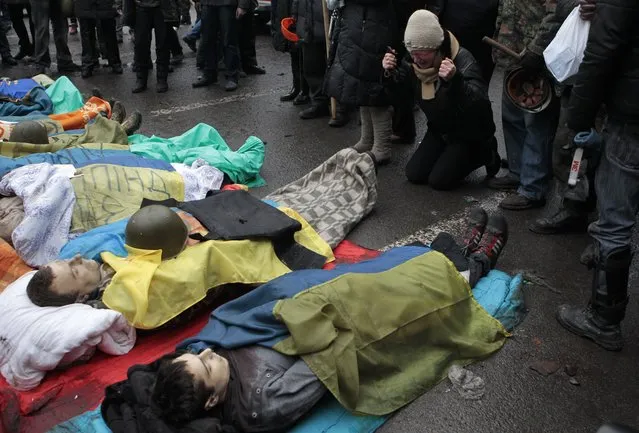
(327, 22)
(501, 47)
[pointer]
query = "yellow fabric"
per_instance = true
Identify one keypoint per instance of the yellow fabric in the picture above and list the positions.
(105, 193)
(16, 150)
(149, 292)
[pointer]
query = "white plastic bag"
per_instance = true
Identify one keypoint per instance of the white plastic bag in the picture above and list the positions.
(565, 53)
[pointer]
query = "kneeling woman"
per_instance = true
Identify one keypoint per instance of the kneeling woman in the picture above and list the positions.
(453, 96)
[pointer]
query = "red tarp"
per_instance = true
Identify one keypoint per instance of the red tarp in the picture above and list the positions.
(65, 394)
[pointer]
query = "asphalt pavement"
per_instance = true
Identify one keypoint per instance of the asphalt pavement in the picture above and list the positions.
(517, 399)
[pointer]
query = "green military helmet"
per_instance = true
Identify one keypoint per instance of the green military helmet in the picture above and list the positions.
(157, 227)
(29, 132)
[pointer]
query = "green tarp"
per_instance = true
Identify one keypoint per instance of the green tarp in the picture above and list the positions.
(380, 340)
(65, 96)
(203, 141)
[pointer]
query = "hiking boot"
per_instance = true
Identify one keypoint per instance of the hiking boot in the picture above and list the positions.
(118, 112)
(494, 239)
(315, 111)
(586, 323)
(302, 99)
(161, 86)
(519, 202)
(230, 85)
(477, 220)
(509, 182)
(563, 221)
(132, 123)
(191, 43)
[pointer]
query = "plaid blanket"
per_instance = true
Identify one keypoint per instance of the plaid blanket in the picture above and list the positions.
(11, 265)
(335, 196)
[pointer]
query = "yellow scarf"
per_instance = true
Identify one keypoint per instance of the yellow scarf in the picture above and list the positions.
(429, 76)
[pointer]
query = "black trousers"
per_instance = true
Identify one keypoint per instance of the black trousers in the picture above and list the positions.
(222, 19)
(443, 163)
(148, 20)
(314, 69)
(246, 35)
(90, 50)
(172, 40)
(17, 21)
(299, 82)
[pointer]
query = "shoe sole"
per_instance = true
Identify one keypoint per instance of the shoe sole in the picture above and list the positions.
(526, 207)
(605, 344)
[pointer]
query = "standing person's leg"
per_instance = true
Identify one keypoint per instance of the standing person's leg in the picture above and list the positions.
(27, 6)
(60, 37)
(16, 13)
(617, 184)
(119, 34)
(175, 49)
(208, 46)
(87, 37)
(162, 50)
(40, 15)
(142, 46)
(425, 157)
(367, 134)
(5, 48)
(185, 12)
(248, 53)
(314, 68)
(109, 33)
(536, 159)
(382, 120)
(190, 39)
(229, 35)
(295, 72)
(514, 125)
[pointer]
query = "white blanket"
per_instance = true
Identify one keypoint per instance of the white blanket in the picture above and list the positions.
(48, 199)
(34, 340)
(199, 179)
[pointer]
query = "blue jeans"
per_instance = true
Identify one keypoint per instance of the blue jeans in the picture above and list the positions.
(194, 33)
(529, 138)
(617, 186)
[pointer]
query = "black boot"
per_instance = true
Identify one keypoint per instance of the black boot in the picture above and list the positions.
(162, 85)
(563, 221)
(600, 320)
(140, 81)
(290, 95)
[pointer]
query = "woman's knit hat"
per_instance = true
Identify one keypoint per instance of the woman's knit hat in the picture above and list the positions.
(423, 31)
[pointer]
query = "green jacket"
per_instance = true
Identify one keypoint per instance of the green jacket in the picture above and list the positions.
(528, 25)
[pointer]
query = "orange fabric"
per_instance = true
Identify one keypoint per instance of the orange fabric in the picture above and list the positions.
(79, 118)
(11, 265)
(194, 225)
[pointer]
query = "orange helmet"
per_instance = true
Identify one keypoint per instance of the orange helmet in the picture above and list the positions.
(287, 23)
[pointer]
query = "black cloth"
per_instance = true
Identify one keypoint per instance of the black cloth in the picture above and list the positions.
(146, 21)
(313, 69)
(172, 40)
(129, 408)
(470, 21)
(444, 162)
(609, 72)
(363, 31)
(246, 40)
(309, 19)
(280, 9)
(169, 9)
(95, 9)
(90, 52)
(222, 19)
(16, 13)
(235, 215)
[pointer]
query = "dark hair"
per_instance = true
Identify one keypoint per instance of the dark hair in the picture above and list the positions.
(40, 293)
(177, 394)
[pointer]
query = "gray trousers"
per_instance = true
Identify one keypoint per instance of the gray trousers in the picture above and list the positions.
(617, 186)
(43, 11)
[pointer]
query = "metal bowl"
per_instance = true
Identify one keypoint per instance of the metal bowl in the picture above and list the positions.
(514, 86)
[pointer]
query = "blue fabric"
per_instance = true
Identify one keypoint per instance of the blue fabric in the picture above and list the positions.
(109, 237)
(31, 116)
(81, 157)
(249, 319)
(589, 140)
(17, 88)
(502, 297)
(88, 422)
(40, 103)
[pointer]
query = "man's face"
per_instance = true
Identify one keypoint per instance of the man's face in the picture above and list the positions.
(76, 276)
(209, 368)
(425, 59)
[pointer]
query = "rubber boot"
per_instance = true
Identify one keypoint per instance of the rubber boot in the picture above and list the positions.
(382, 130)
(600, 320)
(365, 142)
(140, 81)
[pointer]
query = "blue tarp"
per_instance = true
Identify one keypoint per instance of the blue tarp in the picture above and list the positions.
(39, 103)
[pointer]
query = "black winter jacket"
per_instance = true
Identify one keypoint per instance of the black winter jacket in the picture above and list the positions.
(364, 30)
(96, 9)
(169, 10)
(609, 72)
(461, 109)
(281, 9)
(309, 19)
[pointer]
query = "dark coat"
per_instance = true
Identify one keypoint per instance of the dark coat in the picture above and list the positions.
(461, 108)
(96, 9)
(609, 72)
(363, 32)
(309, 19)
(281, 9)
(169, 10)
